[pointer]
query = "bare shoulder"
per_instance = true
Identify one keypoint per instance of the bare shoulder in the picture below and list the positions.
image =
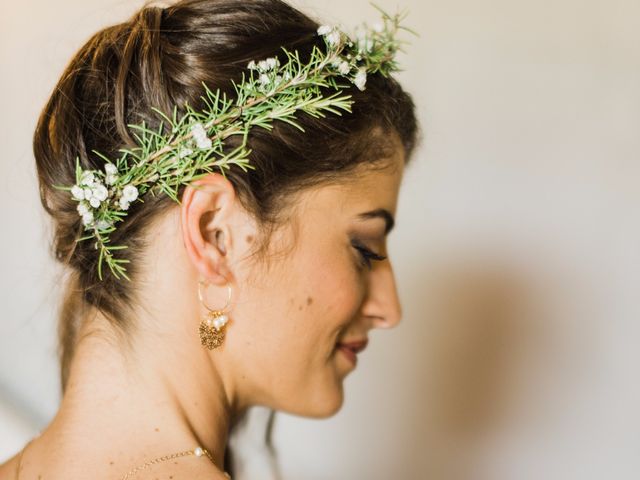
(7, 469)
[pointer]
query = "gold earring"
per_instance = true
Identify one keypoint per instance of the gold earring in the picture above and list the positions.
(213, 326)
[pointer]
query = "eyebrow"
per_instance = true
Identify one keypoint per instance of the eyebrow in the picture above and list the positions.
(380, 213)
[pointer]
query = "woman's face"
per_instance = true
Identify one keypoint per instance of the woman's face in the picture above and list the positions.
(318, 292)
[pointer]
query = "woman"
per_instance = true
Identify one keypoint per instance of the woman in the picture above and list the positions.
(292, 251)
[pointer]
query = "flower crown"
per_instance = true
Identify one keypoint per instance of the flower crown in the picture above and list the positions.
(194, 146)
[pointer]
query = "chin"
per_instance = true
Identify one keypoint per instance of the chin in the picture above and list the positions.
(328, 404)
(323, 405)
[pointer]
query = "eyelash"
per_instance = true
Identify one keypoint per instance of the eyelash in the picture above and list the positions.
(367, 255)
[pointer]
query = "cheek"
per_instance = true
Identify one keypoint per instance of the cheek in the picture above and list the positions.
(335, 291)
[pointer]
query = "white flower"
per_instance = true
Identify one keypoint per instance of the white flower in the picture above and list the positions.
(333, 38)
(264, 79)
(198, 130)
(77, 192)
(184, 152)
(272, 62)
(94, 202)
(200, 136)
(111, 173)
(87, 218)
(251, 65)
(344, 68)
(88, 193)
(124, 204)
(110, 179)
(361, 78)
(87, 178)
(268, 64)
(100, 192)
(103, 224)
(204, 143)
(82, 208)
(129, 193)
(324, 29)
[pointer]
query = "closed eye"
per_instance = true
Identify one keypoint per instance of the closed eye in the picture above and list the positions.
(367, 255)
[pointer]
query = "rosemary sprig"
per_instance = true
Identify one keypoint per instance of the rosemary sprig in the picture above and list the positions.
(195, 143)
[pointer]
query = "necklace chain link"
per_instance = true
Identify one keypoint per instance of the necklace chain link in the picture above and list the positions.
(198, 451)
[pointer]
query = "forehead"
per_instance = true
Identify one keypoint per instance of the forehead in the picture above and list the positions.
(368, 187)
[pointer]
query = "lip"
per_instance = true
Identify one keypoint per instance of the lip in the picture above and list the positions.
(350, 349)
(355, 345)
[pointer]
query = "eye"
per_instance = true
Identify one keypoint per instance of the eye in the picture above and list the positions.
(366, 254)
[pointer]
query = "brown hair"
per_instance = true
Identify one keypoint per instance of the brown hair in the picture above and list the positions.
(159, 58)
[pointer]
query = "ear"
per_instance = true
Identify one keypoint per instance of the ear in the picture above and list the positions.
(207, 209)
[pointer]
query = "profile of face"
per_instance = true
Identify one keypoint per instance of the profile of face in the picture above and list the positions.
(321, 288)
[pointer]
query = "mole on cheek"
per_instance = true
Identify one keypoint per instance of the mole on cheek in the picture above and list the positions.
(309, 300)
(249, 238)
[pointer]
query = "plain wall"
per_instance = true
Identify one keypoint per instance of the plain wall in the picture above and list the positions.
(517, 249)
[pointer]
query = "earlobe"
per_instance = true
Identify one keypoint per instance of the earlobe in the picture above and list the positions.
(205, 211)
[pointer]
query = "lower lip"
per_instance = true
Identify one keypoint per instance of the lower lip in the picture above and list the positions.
(349, 354)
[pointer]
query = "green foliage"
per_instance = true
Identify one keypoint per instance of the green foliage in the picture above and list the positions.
(195, 146)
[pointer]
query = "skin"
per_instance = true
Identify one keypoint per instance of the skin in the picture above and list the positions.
(166, 393)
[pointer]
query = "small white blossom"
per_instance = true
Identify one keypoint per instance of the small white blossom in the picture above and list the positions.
(344, 68)
(123, 203)
(198, 130)
(204, 143)
(82, 208)
(87, 178)
(87, 218)
(94, 202)
(200, 136)
(361, 78)
(111, 173)
(268, 64)
(129, 193)
(77, 192)
(251, 65)
(333, 38)
(103, 224)
(324, 29)
(100, 192)
(88, 193)
(264, 79)
(272, 62)
(185, 152)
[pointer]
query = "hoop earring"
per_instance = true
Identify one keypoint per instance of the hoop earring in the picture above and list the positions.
(213, 326)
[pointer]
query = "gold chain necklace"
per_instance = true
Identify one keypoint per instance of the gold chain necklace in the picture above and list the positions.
(198, 452)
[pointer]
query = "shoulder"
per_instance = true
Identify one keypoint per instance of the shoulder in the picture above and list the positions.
(9, 466)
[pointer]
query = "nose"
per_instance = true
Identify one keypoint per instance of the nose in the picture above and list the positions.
(382, 302)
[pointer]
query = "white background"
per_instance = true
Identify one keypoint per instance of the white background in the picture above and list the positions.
(516, 249)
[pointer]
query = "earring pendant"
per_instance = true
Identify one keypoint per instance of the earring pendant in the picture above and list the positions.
(212, 329)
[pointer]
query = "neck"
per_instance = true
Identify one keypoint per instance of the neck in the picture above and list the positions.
(138, 407)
